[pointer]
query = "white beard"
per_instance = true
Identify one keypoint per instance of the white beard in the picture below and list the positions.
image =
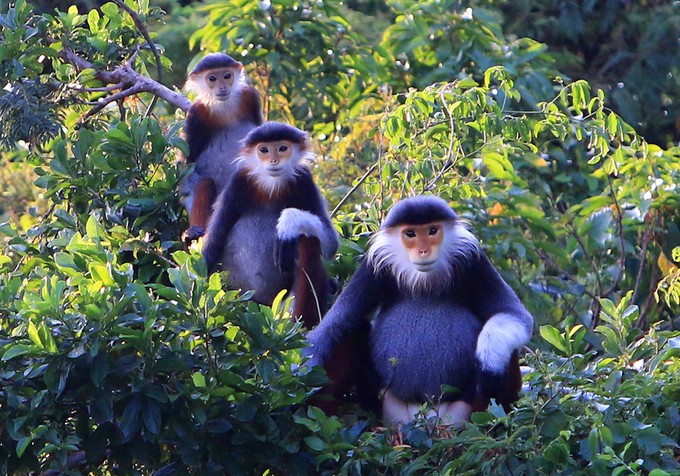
(386, 252)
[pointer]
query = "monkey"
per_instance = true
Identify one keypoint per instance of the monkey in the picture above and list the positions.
(270, 214)
(225, 110)
(446, 328)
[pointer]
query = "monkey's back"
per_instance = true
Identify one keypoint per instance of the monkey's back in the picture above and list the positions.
(418, 345)
(249, 256)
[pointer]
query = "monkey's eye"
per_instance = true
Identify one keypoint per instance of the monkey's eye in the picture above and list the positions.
(283, 148)
(433, 230)
(410, 233)
(264, 149)
(212, 78)
(227, 75)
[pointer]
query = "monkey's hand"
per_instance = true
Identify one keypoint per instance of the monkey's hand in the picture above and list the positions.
(315, 350)
(285, 253)
(292, 224)
(192, 234)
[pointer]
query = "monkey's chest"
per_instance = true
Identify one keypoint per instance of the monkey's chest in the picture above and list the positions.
(249, 257)
(418, 345)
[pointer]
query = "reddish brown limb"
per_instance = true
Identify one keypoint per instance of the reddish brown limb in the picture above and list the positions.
(204, 197)
(311, 288)
(310, 283)
(341, 376)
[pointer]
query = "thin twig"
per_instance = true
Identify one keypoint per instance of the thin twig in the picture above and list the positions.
(619, 230)
(646, 238)
(353, 189)
(145, 33)
(101, 104)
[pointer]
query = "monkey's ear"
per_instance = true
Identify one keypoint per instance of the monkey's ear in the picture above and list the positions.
(306, 143)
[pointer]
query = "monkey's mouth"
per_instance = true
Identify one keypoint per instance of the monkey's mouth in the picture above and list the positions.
(275, 171)
(222, 96)
(425, 266)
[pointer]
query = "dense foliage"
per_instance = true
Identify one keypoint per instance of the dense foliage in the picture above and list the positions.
(119, 356)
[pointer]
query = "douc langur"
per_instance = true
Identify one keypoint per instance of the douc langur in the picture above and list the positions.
(225, 110)
(447, 327)
(270, 227)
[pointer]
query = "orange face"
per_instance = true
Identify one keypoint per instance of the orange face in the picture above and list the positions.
(422, 242)
(274, 155)
(220, 81)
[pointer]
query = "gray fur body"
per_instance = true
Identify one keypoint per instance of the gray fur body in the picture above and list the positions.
(250, 267)
(216, 161)
(420, 344)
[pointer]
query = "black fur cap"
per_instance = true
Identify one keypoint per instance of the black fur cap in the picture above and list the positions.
(214, 60)
(274, 131)
(419, 211)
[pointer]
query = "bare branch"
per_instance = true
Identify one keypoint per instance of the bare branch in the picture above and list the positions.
(102, 103)
(129, 81)
(106, 89)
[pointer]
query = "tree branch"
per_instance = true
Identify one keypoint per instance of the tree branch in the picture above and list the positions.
(145, 33)
(130, 82)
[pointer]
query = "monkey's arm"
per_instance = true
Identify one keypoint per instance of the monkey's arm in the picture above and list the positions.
(360, 297)
(251, 105)
(507, 324)
(226, 213)
(197, 130)
(305, 215)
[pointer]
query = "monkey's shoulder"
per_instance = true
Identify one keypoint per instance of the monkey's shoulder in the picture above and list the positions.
(251, 105)
(198, 115)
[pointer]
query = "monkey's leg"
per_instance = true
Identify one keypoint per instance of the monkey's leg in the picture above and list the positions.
(395, 411)
(454, 413)
(203, 198)
(310, 283)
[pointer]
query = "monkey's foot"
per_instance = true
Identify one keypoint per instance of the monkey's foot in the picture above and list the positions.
(398, 439)
(192, 234)
(394, 433)
(443, 431)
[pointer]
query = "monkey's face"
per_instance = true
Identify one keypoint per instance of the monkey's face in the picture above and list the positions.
(422, 244)
(274, 157)
(220, 81)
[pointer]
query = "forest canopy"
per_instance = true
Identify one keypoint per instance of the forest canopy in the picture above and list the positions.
(551, 127)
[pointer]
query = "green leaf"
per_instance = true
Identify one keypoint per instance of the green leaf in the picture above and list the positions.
(612, 124)
(552, 336)
(467, 83)
(34, 335)
(151, 414)
(102, 274)
(198, 379)
(17, 350)
(23, 444)
(315, 443)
